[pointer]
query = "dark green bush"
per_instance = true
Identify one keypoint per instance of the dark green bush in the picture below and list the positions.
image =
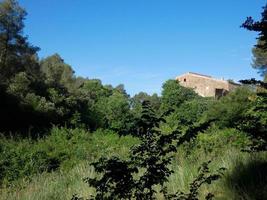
(24, 157)
(230, 109)
(60, 150)
(215, 140)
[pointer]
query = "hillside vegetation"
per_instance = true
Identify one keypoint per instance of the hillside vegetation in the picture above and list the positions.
(69, 137)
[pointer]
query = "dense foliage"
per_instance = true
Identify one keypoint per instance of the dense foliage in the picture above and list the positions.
(142, 147)
(148, 164)
(255, 117)
(260, 49)
(37, 93)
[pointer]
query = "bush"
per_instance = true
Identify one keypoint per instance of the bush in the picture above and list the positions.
(25, 157)
(215, 140)
(19, 159)
(62, 149)
(188, 113)
(230, 109)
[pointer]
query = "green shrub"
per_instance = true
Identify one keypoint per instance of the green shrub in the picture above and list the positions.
(188, 113)
(61, 150)
(215, 140)
(230, 109)
(24, 157)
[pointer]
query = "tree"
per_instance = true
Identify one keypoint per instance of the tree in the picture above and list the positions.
(260, 49)
(21, 82)
(95, 90)
(96, 95)
(229, 110)
(16, 53)
(255, 118)
(173, 95)
(117, 112)
(138, 99)
(121, 89)
(260, 59)
(189, 113)
(57, 73)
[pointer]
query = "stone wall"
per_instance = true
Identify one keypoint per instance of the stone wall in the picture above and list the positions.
(206, 86)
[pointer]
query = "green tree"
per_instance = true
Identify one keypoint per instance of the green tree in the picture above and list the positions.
(16, 53)
(230, 109)
(189, 113)
(57, 73)
(173, 95)
(255, 122)
(260, 59)
(96, 95)
(260, 49)
(117, 113)
(255, 118)
(120, 88)
(19, 85)
(138, 99)
(20, 78)
(95, 90)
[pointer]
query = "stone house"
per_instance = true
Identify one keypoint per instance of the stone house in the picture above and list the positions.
(206, 86)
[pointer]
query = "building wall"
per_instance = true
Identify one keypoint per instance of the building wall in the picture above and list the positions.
(205, 85)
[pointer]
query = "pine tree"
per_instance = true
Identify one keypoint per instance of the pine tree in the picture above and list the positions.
(260, 49)
(16, 54)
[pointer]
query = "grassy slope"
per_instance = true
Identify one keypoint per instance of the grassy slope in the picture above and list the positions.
(245, 177)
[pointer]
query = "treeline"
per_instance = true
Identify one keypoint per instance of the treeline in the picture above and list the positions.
(36, 93)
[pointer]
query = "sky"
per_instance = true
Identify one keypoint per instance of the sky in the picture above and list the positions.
(143, 43)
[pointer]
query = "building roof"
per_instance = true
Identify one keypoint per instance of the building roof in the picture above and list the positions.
(206, 76)
(199, 74)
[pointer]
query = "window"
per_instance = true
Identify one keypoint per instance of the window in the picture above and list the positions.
(220, 92)
(184, 79)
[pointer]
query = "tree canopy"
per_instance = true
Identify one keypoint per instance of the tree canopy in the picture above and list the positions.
(173, 95)
(17, 54)
(260, 49)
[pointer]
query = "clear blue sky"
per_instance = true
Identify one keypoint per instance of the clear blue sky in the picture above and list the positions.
(142, 43)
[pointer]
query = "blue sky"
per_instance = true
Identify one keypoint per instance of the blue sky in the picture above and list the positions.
(142, 43)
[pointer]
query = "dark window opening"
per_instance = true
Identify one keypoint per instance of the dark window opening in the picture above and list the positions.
(220, 92)
(184, 79)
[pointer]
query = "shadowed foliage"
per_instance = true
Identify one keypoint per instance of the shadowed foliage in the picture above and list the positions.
(250, 177)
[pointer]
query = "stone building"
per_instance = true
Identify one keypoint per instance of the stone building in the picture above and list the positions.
(206, 86)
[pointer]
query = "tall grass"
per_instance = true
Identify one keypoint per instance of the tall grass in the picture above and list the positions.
(233, 186)
(56, 185)
(240, 181)
(245, 177)
(60, 151)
